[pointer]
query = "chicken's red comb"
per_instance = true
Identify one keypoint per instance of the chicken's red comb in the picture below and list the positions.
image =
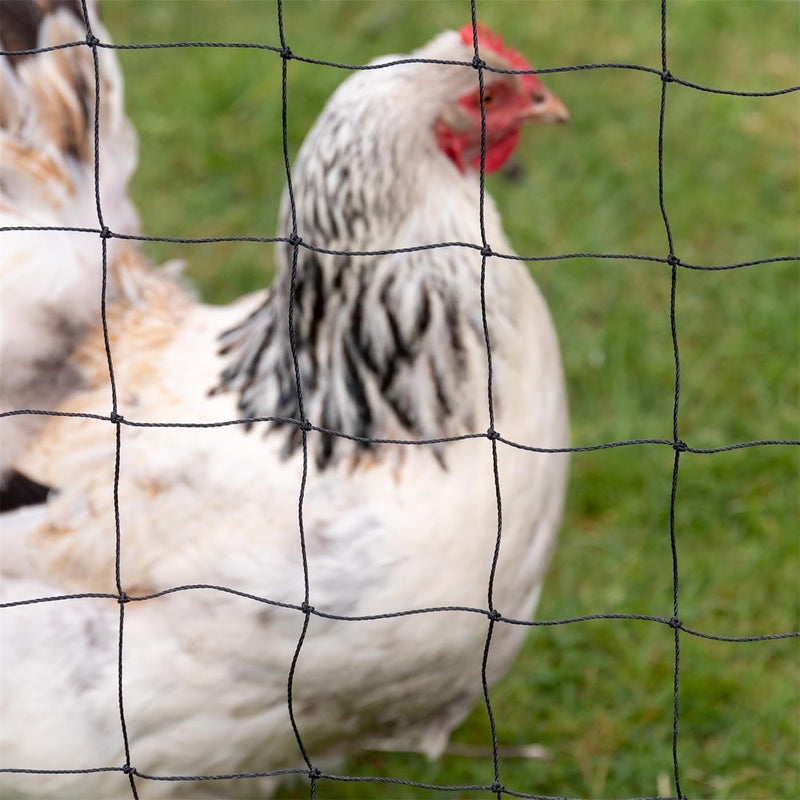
(489, 40)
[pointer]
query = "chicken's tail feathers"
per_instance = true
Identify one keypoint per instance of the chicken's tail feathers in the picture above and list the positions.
(47, 118)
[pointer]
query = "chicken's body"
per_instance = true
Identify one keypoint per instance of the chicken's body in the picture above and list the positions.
(50, 282)
(389, 346)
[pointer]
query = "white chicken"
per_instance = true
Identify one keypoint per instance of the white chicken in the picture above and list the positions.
(389, 346)
(50, 281)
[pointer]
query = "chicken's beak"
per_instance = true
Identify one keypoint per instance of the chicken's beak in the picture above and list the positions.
(545, 107)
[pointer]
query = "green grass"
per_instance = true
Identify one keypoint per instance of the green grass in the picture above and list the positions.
(597, 694)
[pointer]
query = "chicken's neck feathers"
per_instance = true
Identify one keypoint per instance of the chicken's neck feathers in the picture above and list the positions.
(387, 345)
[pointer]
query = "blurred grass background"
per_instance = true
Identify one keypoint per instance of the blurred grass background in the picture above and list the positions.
(598, 695)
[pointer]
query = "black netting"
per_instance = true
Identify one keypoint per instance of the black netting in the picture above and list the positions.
(314, 773)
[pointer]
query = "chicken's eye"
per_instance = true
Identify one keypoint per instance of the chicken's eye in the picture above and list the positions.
(488, 98)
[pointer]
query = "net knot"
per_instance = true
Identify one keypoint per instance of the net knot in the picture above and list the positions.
(105, 233)
(666, 76)
(127, 769)
(675, 623)
(116, 418)
(92, 40)
(486, 251)
(294, 240)
(492, 435)
(494, 615)
(286, 53)
(306, 608)
(478, 62)
(314, 774)
(497, 787)
(673, 260)
(123, 598)
(679, 446)
(306, 426)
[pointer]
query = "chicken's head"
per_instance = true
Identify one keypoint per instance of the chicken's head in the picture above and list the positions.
(509, 101)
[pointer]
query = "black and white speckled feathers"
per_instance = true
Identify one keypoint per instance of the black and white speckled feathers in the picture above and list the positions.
(387, 344)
